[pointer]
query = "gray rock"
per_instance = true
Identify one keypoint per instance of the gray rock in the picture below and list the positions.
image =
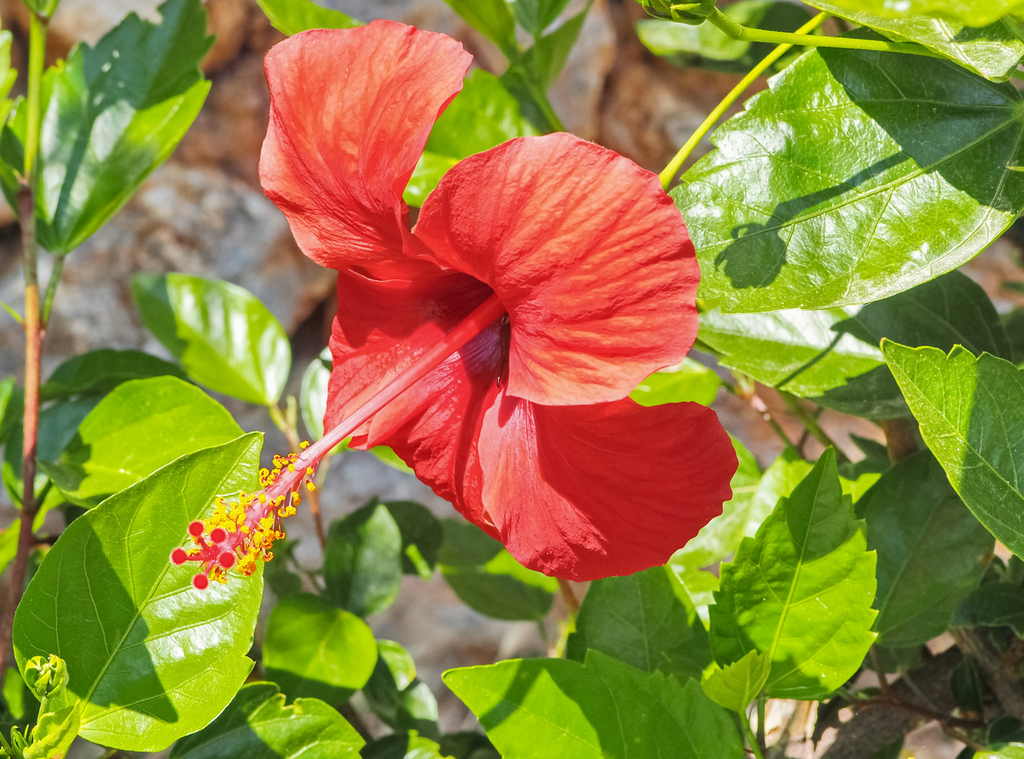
(190, 220)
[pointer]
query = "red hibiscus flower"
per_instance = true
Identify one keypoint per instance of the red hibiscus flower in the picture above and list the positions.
(494, 345)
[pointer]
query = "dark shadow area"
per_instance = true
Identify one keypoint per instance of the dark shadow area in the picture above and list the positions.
(758, 253)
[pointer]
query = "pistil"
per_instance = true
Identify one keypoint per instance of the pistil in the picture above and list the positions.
(243, 527)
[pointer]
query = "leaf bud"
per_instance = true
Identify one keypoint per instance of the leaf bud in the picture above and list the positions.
(692, 13)
(46, 676)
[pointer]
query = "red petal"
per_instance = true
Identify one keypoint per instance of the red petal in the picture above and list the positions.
(350, 112)
(588, 254)
(584, 492)
(382, 326)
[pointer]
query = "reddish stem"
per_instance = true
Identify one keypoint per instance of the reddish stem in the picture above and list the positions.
(33, 348)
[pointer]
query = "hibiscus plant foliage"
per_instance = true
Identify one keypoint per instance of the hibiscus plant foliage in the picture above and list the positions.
(544, 333)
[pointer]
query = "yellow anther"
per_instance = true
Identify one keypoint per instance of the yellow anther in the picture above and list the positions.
(310, 486)
(304, 444)
(309, 470)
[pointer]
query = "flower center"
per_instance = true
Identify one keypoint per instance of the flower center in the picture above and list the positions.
(243, 527)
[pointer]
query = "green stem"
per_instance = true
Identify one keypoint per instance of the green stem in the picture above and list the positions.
(684, 152)
(809, 422)
(751, 738)
(746, 34)
(51, 289)
(36, 59)
(761, 701)
(290, 433)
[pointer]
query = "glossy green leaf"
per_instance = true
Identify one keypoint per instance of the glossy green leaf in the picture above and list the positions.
(468, 745)
(534, 708)
(800, 591)
(293, 16)
(993, 51)
(153, 658)
(258, 725)
(483, 115)
(687, 381)
(224, 337)
(973, 12)
(136, 429)
(488, 579)
(1002, 751)
(971, 412)
(363, 560)
(833, 356)
(492, 18)
(735, 686)
(645, 620)
(931, 550)
(995, 604)
(905, 160)
(99, 372)
(408, 745)
(110, 115)
(314, 649)
(710, 47)
(395, 694)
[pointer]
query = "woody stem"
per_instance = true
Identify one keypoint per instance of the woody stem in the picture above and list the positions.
(482, 317)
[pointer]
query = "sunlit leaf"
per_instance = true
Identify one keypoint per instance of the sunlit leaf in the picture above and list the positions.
(294, 16)
(223, 335)
(153, 658)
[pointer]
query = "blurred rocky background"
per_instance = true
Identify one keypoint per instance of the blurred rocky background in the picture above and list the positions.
(204, 213)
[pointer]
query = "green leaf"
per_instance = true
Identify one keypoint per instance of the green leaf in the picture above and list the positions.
(422, 536)
(645, 620)
(153, 658)
(488, 579)
(930, 550)
(993, 50)
(833, 356)
(7, 75)
(408, 745)
(735, 686)
(973, 12)
(971, 412)
(99, 372)
(60, 712)
(12, 406)
(314, 649)
(687, 381)
(258, 725)
(1002, 751)
(58, 424)
(136, 429)
(395, 694)
(995, 604)
(599, 709)
(363, 560)
(546, 59)
(707, 45)
(468, 745)
(800, 591)
(293, 16)
(483, 115)
(928, 187)
(535, 16)
(493, 19)
(110, 115)
(225, 338)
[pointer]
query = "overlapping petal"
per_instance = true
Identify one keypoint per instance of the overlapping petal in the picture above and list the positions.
(350, 112)
(588, 254)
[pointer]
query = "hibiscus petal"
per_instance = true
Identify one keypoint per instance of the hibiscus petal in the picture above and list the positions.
(350, 112)
(383, 326)
(588, 254)
(583, 492)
